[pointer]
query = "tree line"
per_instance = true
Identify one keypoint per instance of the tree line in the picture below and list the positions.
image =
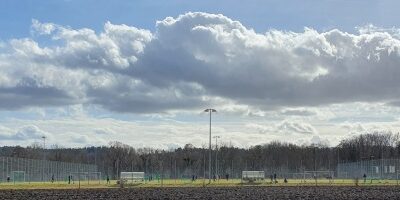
(274, 157)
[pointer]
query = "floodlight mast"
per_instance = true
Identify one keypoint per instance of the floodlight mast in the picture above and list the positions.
(216, 155)
(209, 110)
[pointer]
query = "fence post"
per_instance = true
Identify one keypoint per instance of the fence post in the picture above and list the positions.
(79, 178)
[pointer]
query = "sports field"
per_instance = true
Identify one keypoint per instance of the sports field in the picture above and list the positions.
(197, 183)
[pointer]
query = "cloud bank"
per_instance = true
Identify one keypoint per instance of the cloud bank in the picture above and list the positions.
(198, 60)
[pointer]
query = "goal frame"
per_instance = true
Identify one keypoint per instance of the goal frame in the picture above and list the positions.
(252, 176)
(13, 176)
(132, 176)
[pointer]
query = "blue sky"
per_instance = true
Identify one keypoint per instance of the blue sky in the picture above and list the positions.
(141, 72)
(261, 15)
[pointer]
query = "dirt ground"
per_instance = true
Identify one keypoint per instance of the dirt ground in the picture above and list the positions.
(220, 193)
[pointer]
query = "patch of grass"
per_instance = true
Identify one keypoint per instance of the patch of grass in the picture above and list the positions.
(55, 185)
(189, 183)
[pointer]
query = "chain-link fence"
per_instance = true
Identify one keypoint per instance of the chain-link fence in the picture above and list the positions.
(371, 169)
(40, 170)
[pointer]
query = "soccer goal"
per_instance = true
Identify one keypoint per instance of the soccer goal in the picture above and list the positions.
(18, 176)
(322, 177)
(132, 176)
(252, 176)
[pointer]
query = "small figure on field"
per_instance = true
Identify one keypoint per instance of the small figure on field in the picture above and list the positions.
(8, 178)
(52, 178)
(275, 178)
(69, 179)
(285, 180)
(215, 177)
(108, 179)
(365, 178)
(193, 178)
(272, 178)
(227, 177)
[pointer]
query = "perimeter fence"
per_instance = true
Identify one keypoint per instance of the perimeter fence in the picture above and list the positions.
(33, 170)
(388, 169)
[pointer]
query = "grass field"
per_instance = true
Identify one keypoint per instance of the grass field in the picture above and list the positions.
(189, 183)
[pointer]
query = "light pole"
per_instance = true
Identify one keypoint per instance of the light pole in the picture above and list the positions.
(209, 110)
(44, 155)
(216, 155)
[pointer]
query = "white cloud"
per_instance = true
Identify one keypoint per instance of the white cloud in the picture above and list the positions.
(302, 82)
(172, 131)
(358, 127)
(317, 140)
(2, 44)
(42, 28)
(104, 131)
(80, 139)
(6, 133)
(298, 112)
(296, 127)
(161, 134)
(24, 133)
(284, 127)
(199, 55)
(370, 127)
(30, 132)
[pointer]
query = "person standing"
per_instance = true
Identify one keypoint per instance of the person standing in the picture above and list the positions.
(272, 178)
(365, 178)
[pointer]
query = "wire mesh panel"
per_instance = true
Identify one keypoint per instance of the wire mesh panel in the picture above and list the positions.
(370, 169)
(318, 177)
(40, 170)
(85, 177)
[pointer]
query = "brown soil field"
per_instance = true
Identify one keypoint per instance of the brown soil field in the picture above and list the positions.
(220, 193)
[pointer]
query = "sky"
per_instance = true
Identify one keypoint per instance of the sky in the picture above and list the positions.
(89, 72)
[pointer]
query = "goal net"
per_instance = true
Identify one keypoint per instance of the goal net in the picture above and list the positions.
(253, 175)
(18, 176)
(132, 176)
